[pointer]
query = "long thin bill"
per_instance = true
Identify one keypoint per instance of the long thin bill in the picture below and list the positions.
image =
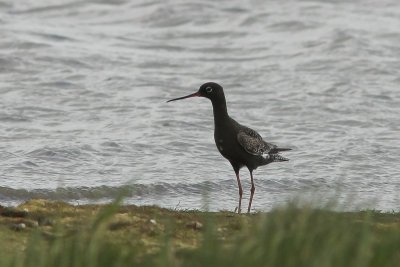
(183, 97)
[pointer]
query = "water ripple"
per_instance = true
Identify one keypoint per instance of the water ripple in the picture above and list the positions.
(83, 109)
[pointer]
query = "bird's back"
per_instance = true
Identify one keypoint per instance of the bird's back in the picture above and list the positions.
(243, 146)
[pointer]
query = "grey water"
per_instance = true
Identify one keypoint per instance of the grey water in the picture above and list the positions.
(83, 86)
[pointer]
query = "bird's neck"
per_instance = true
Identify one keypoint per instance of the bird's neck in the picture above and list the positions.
(220, 111)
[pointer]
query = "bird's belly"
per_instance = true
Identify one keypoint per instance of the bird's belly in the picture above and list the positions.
(232, 151)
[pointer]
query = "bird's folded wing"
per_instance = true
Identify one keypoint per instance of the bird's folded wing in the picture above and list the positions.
(251, 144)
(250, 132)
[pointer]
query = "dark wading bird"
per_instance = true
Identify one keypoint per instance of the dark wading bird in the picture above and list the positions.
(239, 144)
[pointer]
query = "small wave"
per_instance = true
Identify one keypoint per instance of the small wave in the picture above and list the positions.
(13, 118)
(93, 194)
(292, 26)
(9, 64)
(59, 84)
(60, 154)
(102, 192)
(54, 154)
(46, 8)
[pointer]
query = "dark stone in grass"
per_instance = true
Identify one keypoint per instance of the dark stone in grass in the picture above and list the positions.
(118, 225)
(195, 225)
(18, 226)
(10, 212)
(44, 221)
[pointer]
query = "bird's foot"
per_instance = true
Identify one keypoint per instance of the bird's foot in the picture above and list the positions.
(238, 210)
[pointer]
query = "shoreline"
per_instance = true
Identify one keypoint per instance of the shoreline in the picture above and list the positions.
(146, 229)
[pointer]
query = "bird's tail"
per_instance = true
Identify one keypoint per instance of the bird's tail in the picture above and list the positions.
(279, 149)
(277, 158)
(268, 158)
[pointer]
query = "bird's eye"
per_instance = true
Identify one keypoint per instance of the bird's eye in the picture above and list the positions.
(209, 89)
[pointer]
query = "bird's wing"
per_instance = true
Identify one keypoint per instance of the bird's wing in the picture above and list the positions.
(252, 141)
(252, 144)
(250, 132)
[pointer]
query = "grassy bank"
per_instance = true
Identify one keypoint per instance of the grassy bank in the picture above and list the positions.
(43, 233)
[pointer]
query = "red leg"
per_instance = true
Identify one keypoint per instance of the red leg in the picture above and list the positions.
(253, 188)
(240, 191)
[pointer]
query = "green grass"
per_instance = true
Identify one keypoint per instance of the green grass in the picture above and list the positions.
(109, 236)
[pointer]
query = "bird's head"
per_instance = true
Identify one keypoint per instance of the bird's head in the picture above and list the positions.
(210, 90)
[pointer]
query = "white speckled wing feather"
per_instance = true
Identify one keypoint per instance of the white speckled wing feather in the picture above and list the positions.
(251, 144)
